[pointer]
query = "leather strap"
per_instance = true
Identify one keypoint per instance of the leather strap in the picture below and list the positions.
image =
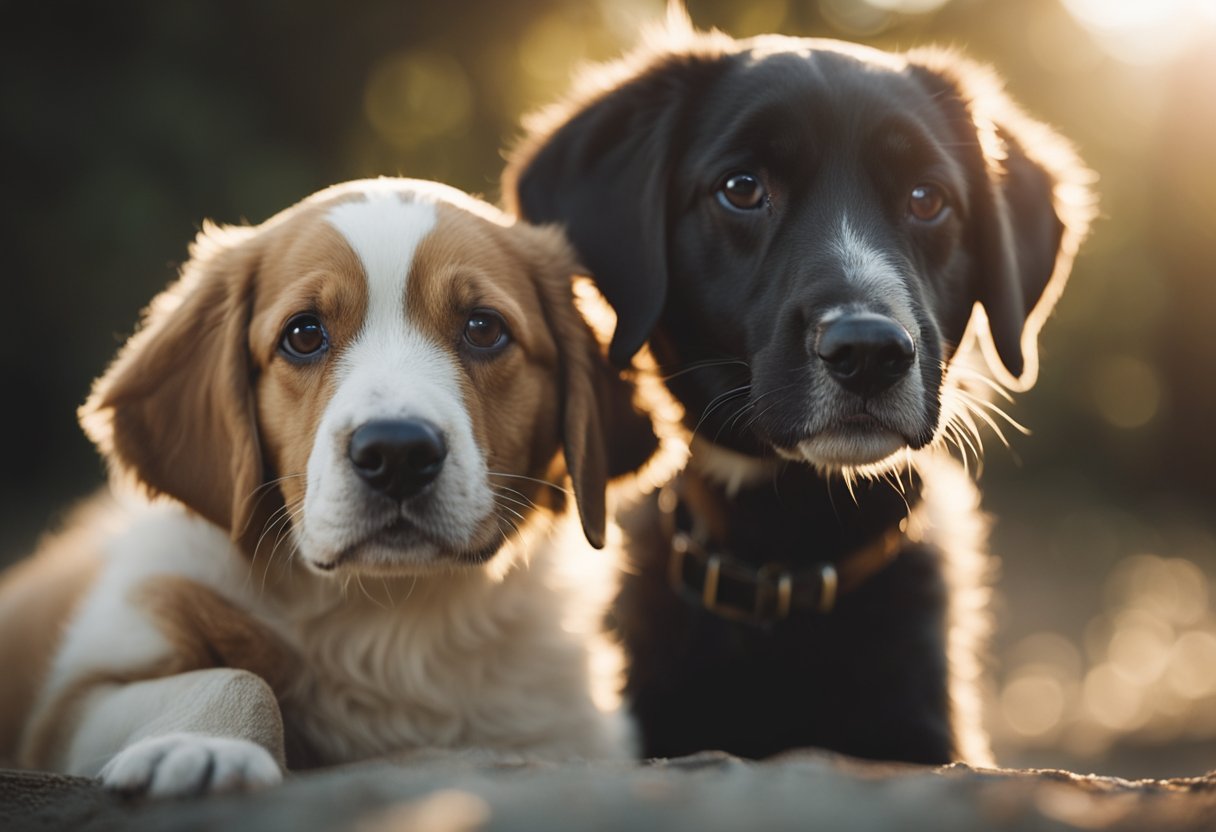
(740, 591)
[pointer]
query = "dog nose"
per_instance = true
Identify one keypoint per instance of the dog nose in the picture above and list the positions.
(866, 353)
(398, 458)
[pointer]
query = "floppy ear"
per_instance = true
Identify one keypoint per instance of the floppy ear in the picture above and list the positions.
(600, 167)
(1030, 207)
(604, 436)
(175, 410)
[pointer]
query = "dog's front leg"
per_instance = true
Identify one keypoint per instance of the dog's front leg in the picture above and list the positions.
(205, 731)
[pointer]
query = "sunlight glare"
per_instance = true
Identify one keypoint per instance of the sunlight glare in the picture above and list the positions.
(1145, 32)
(1124, 14)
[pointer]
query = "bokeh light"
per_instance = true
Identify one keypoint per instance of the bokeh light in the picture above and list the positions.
(1144, 32)
(418, 96)
(1126, 391)
(1191, 668)
(1148, 673)
(1033, 702)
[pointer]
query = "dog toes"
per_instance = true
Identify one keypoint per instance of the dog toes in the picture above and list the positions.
(179, 765)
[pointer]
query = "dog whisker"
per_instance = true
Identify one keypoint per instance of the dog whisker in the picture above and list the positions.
(759, 415)
(554, 486)
(413, 586)
(968, 429)
(279, 518)
(521, 503)
(701, 365)
(522, 498)
(285, 522)
(971, 374)
(257, 494)
(967, 437)
(718, 401)
(976, 412)
(980, 405)
(511, 525)
(728, 423)
(850, 482)
(953, 436)
(368, 595)
(522, 519)
(893, 478)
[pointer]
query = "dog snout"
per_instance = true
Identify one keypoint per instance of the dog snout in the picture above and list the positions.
(866, 353)
(398, 458)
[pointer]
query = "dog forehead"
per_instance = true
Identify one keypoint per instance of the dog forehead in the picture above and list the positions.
(404, 234)
(816, 84)
(384, 230)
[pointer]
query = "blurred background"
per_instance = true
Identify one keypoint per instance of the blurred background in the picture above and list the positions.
(123, 125)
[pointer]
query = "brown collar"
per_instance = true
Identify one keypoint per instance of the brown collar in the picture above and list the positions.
(764, 595)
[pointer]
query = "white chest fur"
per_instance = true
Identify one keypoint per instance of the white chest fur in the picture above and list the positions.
(453, 662)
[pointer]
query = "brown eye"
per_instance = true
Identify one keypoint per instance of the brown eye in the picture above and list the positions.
(486, 331)
(304, 338)
(742, 191)
(927, 203)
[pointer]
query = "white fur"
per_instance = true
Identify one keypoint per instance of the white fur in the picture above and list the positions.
(833, 450)
(183, 764)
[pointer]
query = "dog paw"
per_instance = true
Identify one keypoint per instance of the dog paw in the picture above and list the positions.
(179, 765)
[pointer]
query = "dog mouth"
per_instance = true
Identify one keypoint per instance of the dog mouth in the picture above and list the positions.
(857, 439)
(403, 546)
(860, 422)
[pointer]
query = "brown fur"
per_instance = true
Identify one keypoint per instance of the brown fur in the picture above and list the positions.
(36, 599)
(207, 630)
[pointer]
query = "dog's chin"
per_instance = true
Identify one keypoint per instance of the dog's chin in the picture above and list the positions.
(848, 446)
(401, 549)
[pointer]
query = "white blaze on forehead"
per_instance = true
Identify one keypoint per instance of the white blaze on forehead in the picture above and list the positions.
(384, 231)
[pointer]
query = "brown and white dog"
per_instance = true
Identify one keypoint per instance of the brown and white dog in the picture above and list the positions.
(373, 384)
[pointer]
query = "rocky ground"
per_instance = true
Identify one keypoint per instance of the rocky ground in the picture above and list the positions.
(707, 792)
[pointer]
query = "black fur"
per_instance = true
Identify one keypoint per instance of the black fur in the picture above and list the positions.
(840, 138)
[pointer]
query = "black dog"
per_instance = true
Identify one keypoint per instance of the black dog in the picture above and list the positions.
(803, 230)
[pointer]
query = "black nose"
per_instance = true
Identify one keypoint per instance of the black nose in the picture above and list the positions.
(398, 458)
(866, 353)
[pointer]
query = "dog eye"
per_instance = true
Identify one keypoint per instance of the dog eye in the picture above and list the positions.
(304, 337)
(485, 330)
(927, 203)
(742, 191)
